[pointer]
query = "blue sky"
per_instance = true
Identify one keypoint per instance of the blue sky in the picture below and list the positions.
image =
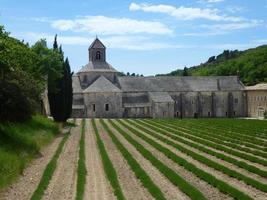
(145, 37)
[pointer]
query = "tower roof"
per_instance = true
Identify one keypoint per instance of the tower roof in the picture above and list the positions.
(97, 44)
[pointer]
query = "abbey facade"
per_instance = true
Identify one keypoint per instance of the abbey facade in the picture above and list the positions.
(98, 91)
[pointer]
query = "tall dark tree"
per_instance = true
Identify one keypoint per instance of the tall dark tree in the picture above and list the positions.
(68, 89)
(56, 87)
(55, 45)
(60, 89)
(185, 72)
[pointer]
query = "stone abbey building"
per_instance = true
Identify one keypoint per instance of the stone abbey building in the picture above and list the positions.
(98, 91)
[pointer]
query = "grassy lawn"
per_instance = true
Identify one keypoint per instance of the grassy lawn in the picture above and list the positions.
(20, 143)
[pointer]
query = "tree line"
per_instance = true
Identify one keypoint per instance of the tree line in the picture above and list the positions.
(250, 65)
(25, 72)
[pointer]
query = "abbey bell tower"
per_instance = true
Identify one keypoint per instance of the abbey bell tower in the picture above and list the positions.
(97, 51)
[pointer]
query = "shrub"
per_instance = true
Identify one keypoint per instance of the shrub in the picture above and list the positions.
(14, 105)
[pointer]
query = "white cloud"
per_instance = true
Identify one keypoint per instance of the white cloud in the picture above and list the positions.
(210, 1)
(110, 26)
(184, 13)
(261, 41)
(116, 42)
(235, 9)
(220, 29)
(214, 1)
(64, 40)
(233, 26)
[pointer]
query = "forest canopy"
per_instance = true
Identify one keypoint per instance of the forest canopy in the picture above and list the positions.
(24, 71)
(250, 65)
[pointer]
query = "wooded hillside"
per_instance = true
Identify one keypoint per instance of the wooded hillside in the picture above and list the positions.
(250, 65)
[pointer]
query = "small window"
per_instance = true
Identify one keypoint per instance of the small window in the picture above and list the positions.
(209, 114)
(107, 107)
(234, 113)
(94, 107)
(226, 114)
(98, 55)
(236, 100)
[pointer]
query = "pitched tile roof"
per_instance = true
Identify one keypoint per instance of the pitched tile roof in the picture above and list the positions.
(101, 85)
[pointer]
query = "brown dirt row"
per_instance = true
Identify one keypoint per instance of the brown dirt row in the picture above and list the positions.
(213, 158)
(218, 130)
(24, 187)
(219, 151)
(62, 186)
(131, 186)
(234, 182)
(209, 191)
(97, 186)
(241, 151)
(169, 190)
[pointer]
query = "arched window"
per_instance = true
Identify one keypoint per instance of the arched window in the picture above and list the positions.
(98, 55)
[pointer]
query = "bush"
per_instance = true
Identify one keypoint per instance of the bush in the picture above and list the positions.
(14, 105)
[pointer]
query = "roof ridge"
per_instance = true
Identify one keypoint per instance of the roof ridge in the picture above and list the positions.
(102, 84)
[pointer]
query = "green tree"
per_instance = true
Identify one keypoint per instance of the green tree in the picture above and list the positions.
(185, 72)
(68, 88)
(22, 81)
(60, 86)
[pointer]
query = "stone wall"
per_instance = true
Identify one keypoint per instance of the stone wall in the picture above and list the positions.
(257, 103)
(97, 103)
(162, 110)
(209, 104)
(78, 99)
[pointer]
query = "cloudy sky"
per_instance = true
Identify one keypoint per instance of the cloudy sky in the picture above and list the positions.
(145, 37)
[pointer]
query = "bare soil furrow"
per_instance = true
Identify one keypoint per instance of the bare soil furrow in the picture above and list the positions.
(131, 186)
(209, 191)
(62, 186)
(97, 186)
(213, 158)
(220, 151)
(24, 187)
(219, 175)
(168, 189)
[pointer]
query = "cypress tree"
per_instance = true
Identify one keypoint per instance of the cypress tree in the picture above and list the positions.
(69, 91)
(55, 45)
(185, 72)
(57, 86)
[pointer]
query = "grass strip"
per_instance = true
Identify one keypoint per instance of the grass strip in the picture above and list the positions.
(221, 156)
(81, 169)
(231, 173)
(146, 181)
(225, 136)
(108, 166)
(49, 170)
(217, 139)
(217, 146)
(178, 181)
(219, 184)
(248, 127)
(20, 143)
(242, 132)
